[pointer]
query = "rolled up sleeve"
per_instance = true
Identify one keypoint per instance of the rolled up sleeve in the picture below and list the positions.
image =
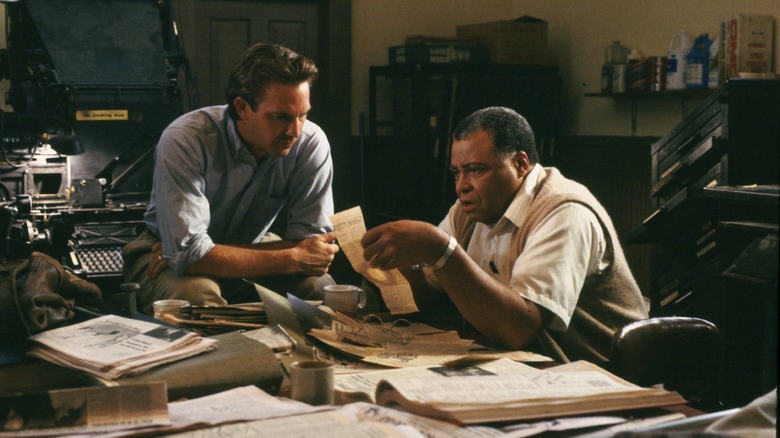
(183, 214)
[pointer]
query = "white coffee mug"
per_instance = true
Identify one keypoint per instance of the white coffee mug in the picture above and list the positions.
(172, 307)
(311, 381)
(345, 298)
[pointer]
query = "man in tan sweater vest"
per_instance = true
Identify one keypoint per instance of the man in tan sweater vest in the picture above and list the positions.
(528, 257)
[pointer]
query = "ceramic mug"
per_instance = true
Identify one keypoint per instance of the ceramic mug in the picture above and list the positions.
(173, 307)
(311, 381)
(345, 298)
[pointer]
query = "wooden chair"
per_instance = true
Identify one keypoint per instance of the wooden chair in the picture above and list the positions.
(683, 354)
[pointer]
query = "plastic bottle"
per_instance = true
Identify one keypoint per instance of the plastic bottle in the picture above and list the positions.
(614, 68)
(675, 61)
(638, 76)
(697, 63)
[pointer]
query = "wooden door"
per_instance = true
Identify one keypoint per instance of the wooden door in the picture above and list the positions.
(216, 32)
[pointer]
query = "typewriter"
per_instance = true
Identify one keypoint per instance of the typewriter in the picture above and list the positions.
(96, 248)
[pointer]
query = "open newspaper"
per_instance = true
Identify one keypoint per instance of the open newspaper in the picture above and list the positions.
(113, 346)
(501, 390)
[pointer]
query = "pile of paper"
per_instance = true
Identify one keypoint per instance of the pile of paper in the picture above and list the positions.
(211, 320)
(113, 346)
(411, 344)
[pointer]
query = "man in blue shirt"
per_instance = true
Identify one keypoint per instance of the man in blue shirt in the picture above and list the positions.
(222, 176)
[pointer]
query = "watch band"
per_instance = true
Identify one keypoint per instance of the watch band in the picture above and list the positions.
(451, 245)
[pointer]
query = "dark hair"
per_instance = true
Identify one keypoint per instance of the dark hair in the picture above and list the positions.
(261, 65)
(509, 131)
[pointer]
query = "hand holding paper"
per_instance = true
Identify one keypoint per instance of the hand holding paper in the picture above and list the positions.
(396, 291)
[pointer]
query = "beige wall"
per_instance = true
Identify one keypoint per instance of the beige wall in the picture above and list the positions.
(579, 30)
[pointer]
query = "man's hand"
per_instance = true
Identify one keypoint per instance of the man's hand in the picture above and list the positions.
(401, 244)
(158, 263)
(311, 256)
(315, 254)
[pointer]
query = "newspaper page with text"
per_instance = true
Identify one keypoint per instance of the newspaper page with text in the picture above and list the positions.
(113, 346)
(502, 390)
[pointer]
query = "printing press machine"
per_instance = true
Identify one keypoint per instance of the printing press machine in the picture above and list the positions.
(92, 85)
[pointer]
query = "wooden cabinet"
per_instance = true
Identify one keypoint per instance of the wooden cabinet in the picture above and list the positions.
(407, 149)
(747, 228)
(731, 140)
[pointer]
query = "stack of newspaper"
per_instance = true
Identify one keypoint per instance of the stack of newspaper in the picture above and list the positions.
(113, 346)
(212, 320)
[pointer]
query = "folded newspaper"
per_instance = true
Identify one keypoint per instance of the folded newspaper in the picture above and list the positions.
(112, 346)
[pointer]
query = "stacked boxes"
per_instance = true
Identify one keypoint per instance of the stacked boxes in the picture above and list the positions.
(519, 41)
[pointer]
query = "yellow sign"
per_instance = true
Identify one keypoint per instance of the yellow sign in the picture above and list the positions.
(94, 115)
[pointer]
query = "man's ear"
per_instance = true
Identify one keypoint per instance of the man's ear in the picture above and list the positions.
(522, 163)
(242, 107)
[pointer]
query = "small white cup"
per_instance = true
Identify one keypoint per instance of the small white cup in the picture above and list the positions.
(173, 307)
(311, 381)
(345, 298)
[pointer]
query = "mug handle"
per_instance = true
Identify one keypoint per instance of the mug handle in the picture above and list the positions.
(362, 298)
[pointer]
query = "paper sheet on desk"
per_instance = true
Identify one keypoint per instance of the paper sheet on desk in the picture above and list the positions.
(396, 291)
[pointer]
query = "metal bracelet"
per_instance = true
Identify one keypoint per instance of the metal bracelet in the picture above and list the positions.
(451, 245)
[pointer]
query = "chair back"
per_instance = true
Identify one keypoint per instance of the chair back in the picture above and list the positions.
(682, 353)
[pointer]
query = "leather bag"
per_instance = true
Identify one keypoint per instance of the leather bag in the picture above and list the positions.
(38, 294)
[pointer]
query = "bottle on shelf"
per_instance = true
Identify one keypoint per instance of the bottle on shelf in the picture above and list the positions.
(638, 75)
(606, 77)
(675, 61)
(697, 63)
(613, 72)
(657, 74)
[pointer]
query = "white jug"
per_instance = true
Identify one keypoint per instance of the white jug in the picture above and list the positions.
(675, 61)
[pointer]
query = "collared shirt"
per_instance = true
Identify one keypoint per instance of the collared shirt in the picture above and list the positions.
(209, 189)
(559, 254)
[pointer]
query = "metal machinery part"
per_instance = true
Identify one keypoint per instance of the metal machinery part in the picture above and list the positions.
(104, 76)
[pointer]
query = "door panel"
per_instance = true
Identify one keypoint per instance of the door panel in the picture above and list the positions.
(226, 42)
(224, 29)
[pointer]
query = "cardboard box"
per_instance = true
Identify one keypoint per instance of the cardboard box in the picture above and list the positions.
(749, 44)
(437, 53)
(519, 41)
